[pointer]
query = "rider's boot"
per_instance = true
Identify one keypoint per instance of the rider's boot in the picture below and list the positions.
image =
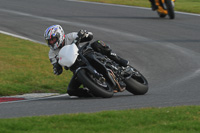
(126, 70)
(119, 60)
(153, 5)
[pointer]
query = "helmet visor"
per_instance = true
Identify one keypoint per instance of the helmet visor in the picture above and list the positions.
(51, 42)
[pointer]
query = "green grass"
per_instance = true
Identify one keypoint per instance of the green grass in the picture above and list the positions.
(151, 120)
(192, 6)
(25, 68)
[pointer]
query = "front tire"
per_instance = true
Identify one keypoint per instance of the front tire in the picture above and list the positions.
(170, 9)
(95, 88)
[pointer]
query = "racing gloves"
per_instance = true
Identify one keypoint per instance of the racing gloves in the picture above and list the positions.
(57, 69)
(82, 33)
(85, 36)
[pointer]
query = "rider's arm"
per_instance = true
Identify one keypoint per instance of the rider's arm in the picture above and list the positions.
(72, 36)
(52, 56)
(57, 68)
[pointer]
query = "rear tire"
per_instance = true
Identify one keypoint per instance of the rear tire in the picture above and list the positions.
(95, 89)
(161, 15)
(137, 84)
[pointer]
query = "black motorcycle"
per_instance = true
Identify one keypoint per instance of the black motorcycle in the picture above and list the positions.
(102, 76)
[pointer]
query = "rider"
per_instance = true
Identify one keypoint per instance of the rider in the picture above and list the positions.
(153, 5)
(56, 39)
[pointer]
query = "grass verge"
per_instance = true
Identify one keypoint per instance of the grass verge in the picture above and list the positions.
(25, 68)
(192, 6)
(152, 120)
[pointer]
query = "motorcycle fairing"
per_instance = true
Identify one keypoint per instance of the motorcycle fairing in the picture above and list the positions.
(68, 55)
(161, 6)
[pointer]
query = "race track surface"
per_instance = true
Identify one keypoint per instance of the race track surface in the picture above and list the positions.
(166, 51)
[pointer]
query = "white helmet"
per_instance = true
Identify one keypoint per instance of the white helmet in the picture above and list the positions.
(54, 36)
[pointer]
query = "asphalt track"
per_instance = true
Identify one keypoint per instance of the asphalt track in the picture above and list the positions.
(165, 51)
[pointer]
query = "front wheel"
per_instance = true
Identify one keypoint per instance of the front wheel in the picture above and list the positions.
(137, 84)
(98, 87)
(170, 8)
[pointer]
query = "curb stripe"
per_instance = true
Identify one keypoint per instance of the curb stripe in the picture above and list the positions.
(7, 99)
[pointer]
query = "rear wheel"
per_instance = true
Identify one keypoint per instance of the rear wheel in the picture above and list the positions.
(161, 15)
(98, 87)
(137, 84)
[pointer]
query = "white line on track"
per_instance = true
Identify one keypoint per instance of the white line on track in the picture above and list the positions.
(75, 23)
(35, 99)
(21, 37)
(143, 8)
(113, 31)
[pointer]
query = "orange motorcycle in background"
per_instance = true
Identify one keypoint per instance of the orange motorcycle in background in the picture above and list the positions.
(165, 7)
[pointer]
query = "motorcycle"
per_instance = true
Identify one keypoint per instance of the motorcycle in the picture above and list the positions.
(165, 7)
(98, 73)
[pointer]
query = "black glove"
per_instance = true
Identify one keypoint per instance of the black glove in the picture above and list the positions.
(82, 33)
(57, 69)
